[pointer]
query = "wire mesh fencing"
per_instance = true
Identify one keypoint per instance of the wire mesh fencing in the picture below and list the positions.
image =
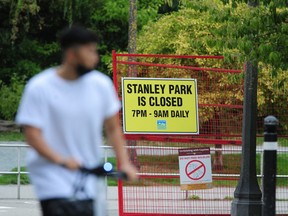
(220, 98)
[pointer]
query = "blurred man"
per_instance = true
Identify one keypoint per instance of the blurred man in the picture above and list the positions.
(63, 111)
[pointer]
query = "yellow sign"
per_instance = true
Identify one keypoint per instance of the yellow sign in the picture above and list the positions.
(160, 106)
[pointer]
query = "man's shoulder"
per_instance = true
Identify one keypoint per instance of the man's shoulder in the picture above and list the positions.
(99, 77)
(40, 79)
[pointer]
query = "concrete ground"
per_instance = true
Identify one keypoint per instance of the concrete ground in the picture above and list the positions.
(19, 207)
(142, 200)
(29, 206)
(159, 199)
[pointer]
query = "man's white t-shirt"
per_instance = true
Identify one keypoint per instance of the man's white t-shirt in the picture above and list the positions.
(70, 115)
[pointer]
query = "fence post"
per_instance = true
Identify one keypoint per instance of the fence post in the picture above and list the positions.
(269, 166)
(247, 196)
(19, 173)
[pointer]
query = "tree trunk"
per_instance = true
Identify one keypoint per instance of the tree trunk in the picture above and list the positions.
(132, 34)
(132, 69)
(218, 158)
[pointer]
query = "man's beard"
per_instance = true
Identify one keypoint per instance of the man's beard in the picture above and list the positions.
(82, 70)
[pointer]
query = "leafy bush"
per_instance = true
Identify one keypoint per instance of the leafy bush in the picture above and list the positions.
(10, 97)
(240, 34)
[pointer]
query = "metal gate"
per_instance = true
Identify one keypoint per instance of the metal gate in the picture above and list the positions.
(220, 96)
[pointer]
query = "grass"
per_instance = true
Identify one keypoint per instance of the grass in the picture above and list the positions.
(11, 136)
(281, 141)
(17, 136)
(194, 197)
(12, 178)
(169, 164)
(166, 164)
(228, 198)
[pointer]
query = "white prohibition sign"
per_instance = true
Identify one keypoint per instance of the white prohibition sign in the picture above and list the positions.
(195, 170)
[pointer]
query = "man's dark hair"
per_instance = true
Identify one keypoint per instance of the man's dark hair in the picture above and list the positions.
(76, 35)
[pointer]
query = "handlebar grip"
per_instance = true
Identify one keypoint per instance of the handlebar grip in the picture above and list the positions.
(122, 175)
(84, 170)
(99, 172)
(118, 175)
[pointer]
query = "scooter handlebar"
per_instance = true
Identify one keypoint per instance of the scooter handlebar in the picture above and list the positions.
(103, 170)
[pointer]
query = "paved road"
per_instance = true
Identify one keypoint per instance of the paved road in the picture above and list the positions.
(28, 206)
(154, 197)
(31, 208)
(162, 199)
(19, 208)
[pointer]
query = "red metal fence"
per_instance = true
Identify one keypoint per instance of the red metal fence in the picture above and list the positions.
(220, 97)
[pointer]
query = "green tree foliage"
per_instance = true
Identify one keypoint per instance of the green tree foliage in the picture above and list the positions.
(216, 28)
(10, 97)
(29, 29)
(237, 31)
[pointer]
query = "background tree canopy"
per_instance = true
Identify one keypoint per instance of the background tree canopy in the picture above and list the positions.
(240, 33)
(29, 29)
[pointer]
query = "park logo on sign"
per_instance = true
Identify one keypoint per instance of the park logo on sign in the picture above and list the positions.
(195, 168)
(160, 106)
(161, 124)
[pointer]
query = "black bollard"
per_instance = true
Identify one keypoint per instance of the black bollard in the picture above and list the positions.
(269, 166)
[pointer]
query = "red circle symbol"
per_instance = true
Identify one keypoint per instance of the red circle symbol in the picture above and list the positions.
(195, 170)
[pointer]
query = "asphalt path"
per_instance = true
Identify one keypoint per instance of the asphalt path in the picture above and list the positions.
(29, 206)
(10, 206)
(153, 199)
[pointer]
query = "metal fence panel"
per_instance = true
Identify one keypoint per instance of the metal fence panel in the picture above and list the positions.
(220, 96)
